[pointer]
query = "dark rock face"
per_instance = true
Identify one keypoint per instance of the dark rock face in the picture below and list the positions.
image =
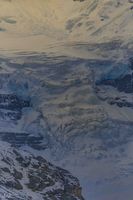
(11, 101)
(19, 139)
(120, 102)
(11, 107)
(23, 170)
(11, 111)
(123, 84)
(131, 63)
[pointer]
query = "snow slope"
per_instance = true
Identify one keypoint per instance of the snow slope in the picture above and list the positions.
(57, 20)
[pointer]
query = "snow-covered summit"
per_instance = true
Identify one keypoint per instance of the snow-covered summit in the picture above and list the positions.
(44, 21)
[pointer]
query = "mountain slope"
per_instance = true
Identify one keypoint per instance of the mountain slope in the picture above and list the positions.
(78, 114)
(28, 177)
(66, 71)
(66, 20)
(24, 175)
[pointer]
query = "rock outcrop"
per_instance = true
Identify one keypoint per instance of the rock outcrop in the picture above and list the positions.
(24, 176)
